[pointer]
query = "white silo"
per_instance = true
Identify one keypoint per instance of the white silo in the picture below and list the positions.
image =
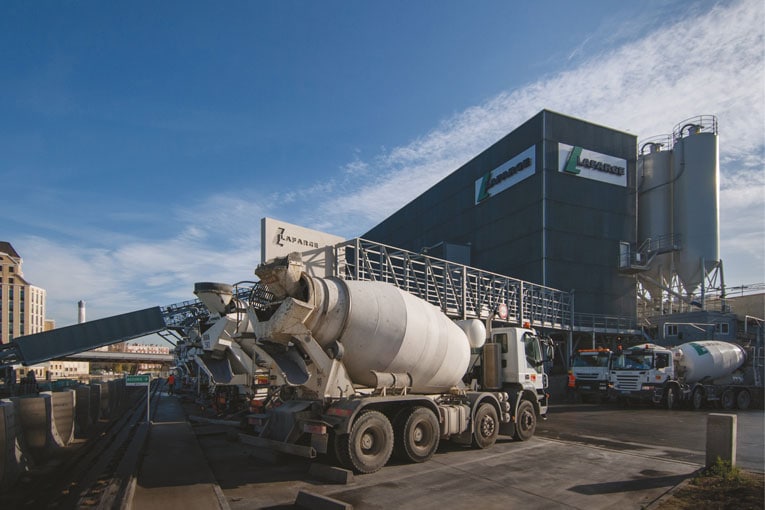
(655, 205)
(696, 199)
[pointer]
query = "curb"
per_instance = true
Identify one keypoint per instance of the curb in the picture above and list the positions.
(671, 492)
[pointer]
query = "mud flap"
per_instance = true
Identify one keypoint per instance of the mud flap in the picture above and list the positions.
(507, 429)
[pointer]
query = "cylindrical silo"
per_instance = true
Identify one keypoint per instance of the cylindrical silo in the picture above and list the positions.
(655, 203)
(696, 199)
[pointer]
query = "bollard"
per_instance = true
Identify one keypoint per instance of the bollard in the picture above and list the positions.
(721, 438)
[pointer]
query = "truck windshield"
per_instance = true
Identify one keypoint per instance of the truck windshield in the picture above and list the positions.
(633, 361)
(533, 351)
(591, 359)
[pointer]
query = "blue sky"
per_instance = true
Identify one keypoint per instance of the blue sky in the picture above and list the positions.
(141, 142)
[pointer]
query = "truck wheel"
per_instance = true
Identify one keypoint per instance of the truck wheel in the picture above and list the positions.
(525, 421)
(417, 435)
(671, 399)
(338, 450)
(369, 445)
(743, 400)
(697, 399)
(728, 399)
(486, 426)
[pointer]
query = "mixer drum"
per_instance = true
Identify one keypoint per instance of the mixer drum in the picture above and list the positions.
(385, 329)
(709, 359)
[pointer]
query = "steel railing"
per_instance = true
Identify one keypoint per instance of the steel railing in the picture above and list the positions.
(460, 291)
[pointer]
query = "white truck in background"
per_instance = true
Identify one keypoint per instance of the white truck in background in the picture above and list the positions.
(590, 368)
(361, 370)
(701, 372)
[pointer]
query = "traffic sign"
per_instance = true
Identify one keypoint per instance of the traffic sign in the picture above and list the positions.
(137, 380)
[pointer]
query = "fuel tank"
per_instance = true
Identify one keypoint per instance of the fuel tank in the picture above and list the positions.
(708, 359)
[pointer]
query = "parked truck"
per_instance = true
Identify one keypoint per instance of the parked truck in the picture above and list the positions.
(701, 372)
(362, 370)
(590, 368)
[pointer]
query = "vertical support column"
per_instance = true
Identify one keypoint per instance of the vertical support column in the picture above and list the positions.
(357, 255)
(148, 401)
(464, 292)
(721, 438)
(569, 348)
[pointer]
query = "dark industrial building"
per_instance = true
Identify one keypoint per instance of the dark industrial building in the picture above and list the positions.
(549, 203)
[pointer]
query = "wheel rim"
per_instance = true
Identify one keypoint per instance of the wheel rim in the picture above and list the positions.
(367, 442)
(526, 421)
(422, 438)
(418, 435)
(487, 426)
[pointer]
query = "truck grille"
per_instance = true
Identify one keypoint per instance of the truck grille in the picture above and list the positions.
(587, 377)
(627, 382)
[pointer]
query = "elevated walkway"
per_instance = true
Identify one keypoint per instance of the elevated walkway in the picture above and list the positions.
(464, 292)
(460, 291)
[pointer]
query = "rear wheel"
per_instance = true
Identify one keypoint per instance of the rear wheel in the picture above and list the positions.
(486, 426)
(743, 400)
(671, 398)
(525, 421)
(338, 449)
(417, 435)
(728, 399)
(368, 446)
(697, 398)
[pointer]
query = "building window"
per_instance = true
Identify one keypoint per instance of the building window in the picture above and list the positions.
(722, 327)
(671, 330)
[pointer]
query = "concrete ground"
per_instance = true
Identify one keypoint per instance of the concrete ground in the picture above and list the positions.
(541, 473)
(202, 466)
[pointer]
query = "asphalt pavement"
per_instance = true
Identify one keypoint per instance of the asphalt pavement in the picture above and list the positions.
(184, 467)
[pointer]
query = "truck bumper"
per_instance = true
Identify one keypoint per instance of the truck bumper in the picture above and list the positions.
(654, 395)
(592, 387)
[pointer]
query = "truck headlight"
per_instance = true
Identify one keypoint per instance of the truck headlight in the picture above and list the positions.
(648, 387)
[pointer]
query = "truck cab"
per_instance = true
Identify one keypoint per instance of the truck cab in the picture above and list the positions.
(513, 361)
(590, 368)
(642, 373)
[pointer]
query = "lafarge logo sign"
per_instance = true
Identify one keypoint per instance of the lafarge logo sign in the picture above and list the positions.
(592, 165)
(506, 175)
(283, 238)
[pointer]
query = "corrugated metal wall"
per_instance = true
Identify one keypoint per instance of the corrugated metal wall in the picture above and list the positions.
(551, 228)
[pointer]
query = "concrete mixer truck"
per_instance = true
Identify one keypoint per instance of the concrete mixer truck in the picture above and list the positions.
(363, 370)
(709, 371)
